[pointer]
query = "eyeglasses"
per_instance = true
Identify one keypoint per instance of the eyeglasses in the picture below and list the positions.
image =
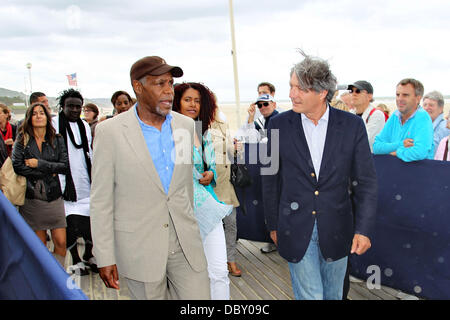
(260, 105)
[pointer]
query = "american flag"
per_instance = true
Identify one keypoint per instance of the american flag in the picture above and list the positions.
(72, 79)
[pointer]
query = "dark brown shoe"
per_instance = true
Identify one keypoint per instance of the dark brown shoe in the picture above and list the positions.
(233, 269)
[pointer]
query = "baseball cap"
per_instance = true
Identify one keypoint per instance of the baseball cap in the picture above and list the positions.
(154, 66)
(362, 85)
(265, 97)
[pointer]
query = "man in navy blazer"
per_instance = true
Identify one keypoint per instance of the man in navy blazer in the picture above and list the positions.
(324, 160)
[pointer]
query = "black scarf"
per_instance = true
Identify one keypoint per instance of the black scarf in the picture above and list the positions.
(70, 194)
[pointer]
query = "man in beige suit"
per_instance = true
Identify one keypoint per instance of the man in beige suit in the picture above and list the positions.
(143, 224)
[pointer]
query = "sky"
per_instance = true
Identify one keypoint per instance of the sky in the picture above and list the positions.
(378, 41)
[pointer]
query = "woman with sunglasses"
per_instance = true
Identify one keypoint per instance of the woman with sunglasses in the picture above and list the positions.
(196, 101)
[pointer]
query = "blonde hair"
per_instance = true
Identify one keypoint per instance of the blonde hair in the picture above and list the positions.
(384, 108)
(339, 104)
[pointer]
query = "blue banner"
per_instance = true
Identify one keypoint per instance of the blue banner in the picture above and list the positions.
(411, 244)
(28, 270)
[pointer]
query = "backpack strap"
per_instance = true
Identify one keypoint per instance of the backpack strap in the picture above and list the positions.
(371, 112)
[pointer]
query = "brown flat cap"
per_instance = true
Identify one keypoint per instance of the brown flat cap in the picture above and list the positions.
(154, 66)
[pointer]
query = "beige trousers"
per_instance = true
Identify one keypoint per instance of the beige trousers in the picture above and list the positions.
(181, 281)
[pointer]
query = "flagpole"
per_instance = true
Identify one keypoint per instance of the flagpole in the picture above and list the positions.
(235, 69)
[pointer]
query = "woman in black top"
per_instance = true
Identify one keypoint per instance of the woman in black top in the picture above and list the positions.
(40, 155)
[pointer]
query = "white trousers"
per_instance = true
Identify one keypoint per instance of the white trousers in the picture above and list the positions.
(216, 256)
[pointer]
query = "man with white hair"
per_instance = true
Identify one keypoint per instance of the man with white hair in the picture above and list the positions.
(433, 103)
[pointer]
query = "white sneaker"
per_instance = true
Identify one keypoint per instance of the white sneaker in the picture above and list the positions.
(270, 247)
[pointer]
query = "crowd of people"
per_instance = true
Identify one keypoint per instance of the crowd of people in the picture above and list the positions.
(151, 195)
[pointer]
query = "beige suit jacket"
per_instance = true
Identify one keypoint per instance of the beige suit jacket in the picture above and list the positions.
(129, 207)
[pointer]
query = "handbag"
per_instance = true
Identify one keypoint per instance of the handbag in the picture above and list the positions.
(240, 176)
(12, 184)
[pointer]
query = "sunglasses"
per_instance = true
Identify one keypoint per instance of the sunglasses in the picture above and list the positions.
(357, 91)
(260, 105)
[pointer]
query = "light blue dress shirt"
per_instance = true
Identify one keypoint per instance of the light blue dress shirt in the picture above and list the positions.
(160, 144)
(440, 130)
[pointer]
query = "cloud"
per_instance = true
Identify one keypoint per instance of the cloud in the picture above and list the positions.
(381, 41)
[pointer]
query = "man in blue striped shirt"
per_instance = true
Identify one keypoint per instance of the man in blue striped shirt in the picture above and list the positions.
(408, 134)
(433, 103)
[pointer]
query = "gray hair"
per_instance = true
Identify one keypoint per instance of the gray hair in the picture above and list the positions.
(436, 96)
(314, 73)
(418, 86)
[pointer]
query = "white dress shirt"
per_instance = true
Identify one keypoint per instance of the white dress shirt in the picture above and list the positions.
(315, 137)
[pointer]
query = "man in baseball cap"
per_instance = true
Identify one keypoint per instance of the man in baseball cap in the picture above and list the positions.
(362, 96)
(361, 85)
(142, 194)
(154, 66)
(152, 81)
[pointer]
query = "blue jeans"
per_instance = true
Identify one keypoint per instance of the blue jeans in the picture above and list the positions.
(314, 278)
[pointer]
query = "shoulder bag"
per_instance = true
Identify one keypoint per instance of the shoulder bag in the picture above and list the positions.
(12, 184)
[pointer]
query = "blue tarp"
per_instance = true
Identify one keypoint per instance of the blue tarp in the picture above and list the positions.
(411, 243)
(27, 269)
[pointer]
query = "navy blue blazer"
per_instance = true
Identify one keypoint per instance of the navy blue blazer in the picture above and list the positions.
(293, 198)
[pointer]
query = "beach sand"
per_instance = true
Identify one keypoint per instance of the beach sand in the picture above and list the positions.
(229, 109)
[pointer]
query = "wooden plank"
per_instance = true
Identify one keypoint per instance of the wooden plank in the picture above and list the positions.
(272, 281)
(274, 255)
(281, 269)
(354, 295)
(382, 294)
(270, 290)
(253, 279)
(362, 290)
(235, 293)
(242, 284)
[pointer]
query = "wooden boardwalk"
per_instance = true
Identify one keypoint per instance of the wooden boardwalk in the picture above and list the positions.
(264, 277)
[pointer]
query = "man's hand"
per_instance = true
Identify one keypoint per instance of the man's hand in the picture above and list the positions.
(360, 244)
(273, 236)
(110, 276)
(207, 178)
(251, 113)
(408, 143)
